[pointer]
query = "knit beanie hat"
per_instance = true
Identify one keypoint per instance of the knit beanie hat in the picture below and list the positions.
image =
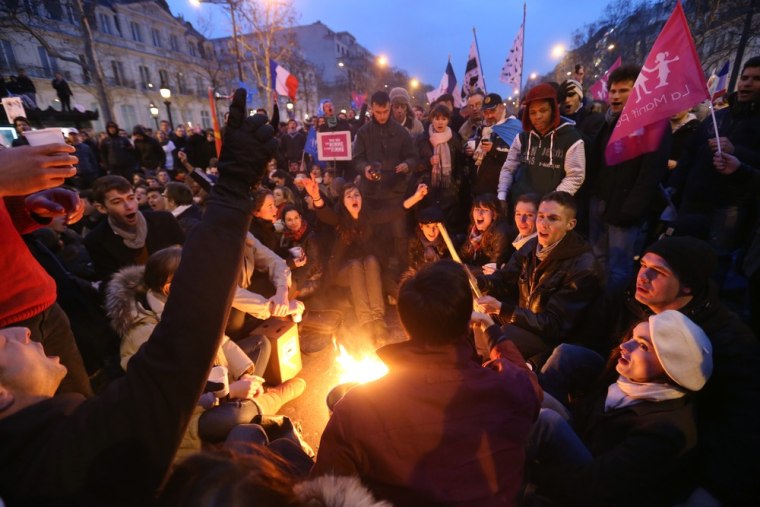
(431, 215)
(571, 85)
(399, 95)
(543, 91)
(692, 260)
(683, 349)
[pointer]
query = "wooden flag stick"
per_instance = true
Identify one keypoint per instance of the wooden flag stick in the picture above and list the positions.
(455, 256)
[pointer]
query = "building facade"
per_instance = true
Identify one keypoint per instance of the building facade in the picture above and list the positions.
(141, 47)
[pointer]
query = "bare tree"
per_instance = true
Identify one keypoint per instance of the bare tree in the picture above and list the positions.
(16, 15)
(265, 24)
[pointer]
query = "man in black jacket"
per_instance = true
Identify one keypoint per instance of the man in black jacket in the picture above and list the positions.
(547, 286)
(127, 236)
(150, 154)
(675, 274)
(625, 196)
(117, 153)
(708, 197)
(384, 155)
(116, 448)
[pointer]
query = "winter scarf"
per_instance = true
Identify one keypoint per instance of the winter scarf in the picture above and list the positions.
(625, 393)
(475, 239)
(441, 174)
(520, 241)
(296, 236)
(543, 252)
(134, 239)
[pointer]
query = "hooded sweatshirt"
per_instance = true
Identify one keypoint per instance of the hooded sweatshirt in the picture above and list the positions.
(540, 163)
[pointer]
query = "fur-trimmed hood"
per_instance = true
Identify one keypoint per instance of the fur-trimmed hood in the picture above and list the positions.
(125, 291)
(333, 491)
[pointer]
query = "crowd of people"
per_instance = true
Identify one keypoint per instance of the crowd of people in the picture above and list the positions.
(569, 337)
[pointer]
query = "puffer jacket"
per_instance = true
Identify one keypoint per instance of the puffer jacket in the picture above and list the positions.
(549, 297)
(134, 312)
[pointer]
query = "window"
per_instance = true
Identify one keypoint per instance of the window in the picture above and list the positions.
(70, 14)
(128, 117)
(200, 87)
(156, 37)
(145, 81)
(187, 117)
(205, 120)
(163, 76)
(173, 43)
(191, 48)
(48, 63)
(136, 32)
(7, 58)
(117, 25)
(181, 83)
(103, 23)
(118, 72)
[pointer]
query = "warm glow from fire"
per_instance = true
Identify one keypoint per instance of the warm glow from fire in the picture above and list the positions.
(365, 369)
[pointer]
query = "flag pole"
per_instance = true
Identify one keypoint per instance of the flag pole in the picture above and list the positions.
(715, 126)
(522, 54)
(480, 60)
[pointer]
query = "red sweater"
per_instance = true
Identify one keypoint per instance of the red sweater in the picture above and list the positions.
(25, 288)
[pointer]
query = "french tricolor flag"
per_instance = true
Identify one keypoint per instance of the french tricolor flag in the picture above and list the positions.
(718, 85)
(283, 82)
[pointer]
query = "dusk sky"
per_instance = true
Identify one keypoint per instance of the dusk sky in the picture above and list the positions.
(419, 36)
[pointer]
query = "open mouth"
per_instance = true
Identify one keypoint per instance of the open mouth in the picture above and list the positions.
(624, 360)
(641, 288)
(131, 217)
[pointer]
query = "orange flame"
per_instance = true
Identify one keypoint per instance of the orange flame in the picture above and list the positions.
(367, 368)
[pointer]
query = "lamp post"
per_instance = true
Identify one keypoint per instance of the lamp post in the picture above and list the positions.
(166, 94)
(232, 4)
(154, 113)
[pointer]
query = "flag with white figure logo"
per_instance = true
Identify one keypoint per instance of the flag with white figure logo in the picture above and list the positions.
(670, 81)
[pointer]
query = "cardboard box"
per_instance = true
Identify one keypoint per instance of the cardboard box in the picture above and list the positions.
(285, 361)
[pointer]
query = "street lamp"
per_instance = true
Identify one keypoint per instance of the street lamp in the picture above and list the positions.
(154, 113)
(533, 76)
(414, 83)
(382, 60)
(166, 94)
(610, 47)
(232, 4)
(558, 51)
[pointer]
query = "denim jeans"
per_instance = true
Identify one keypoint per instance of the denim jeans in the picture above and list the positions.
(553, 441)
(569, 369)
(363, 278)
(216, 423)
(614, 247)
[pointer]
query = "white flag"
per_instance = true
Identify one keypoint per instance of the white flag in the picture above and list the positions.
(511, 73)
(473, 75)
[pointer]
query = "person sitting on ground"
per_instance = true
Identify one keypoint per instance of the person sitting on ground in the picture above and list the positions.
(179, 201)
(526, 209)
(353, 262)
(547, 286)
(66, 450)
(487, 243)
(135, 303)
(257, 475)
(263, 225)
(127, 236)
(302, 243)
(638, 429)
(156, 199)
(453, 431)
(675, 273)
(427, 245)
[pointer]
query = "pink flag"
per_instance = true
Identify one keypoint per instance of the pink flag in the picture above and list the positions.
(670, 81)
(598, 90)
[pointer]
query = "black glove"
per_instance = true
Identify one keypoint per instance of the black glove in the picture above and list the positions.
(563, 91)
(248, 146)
